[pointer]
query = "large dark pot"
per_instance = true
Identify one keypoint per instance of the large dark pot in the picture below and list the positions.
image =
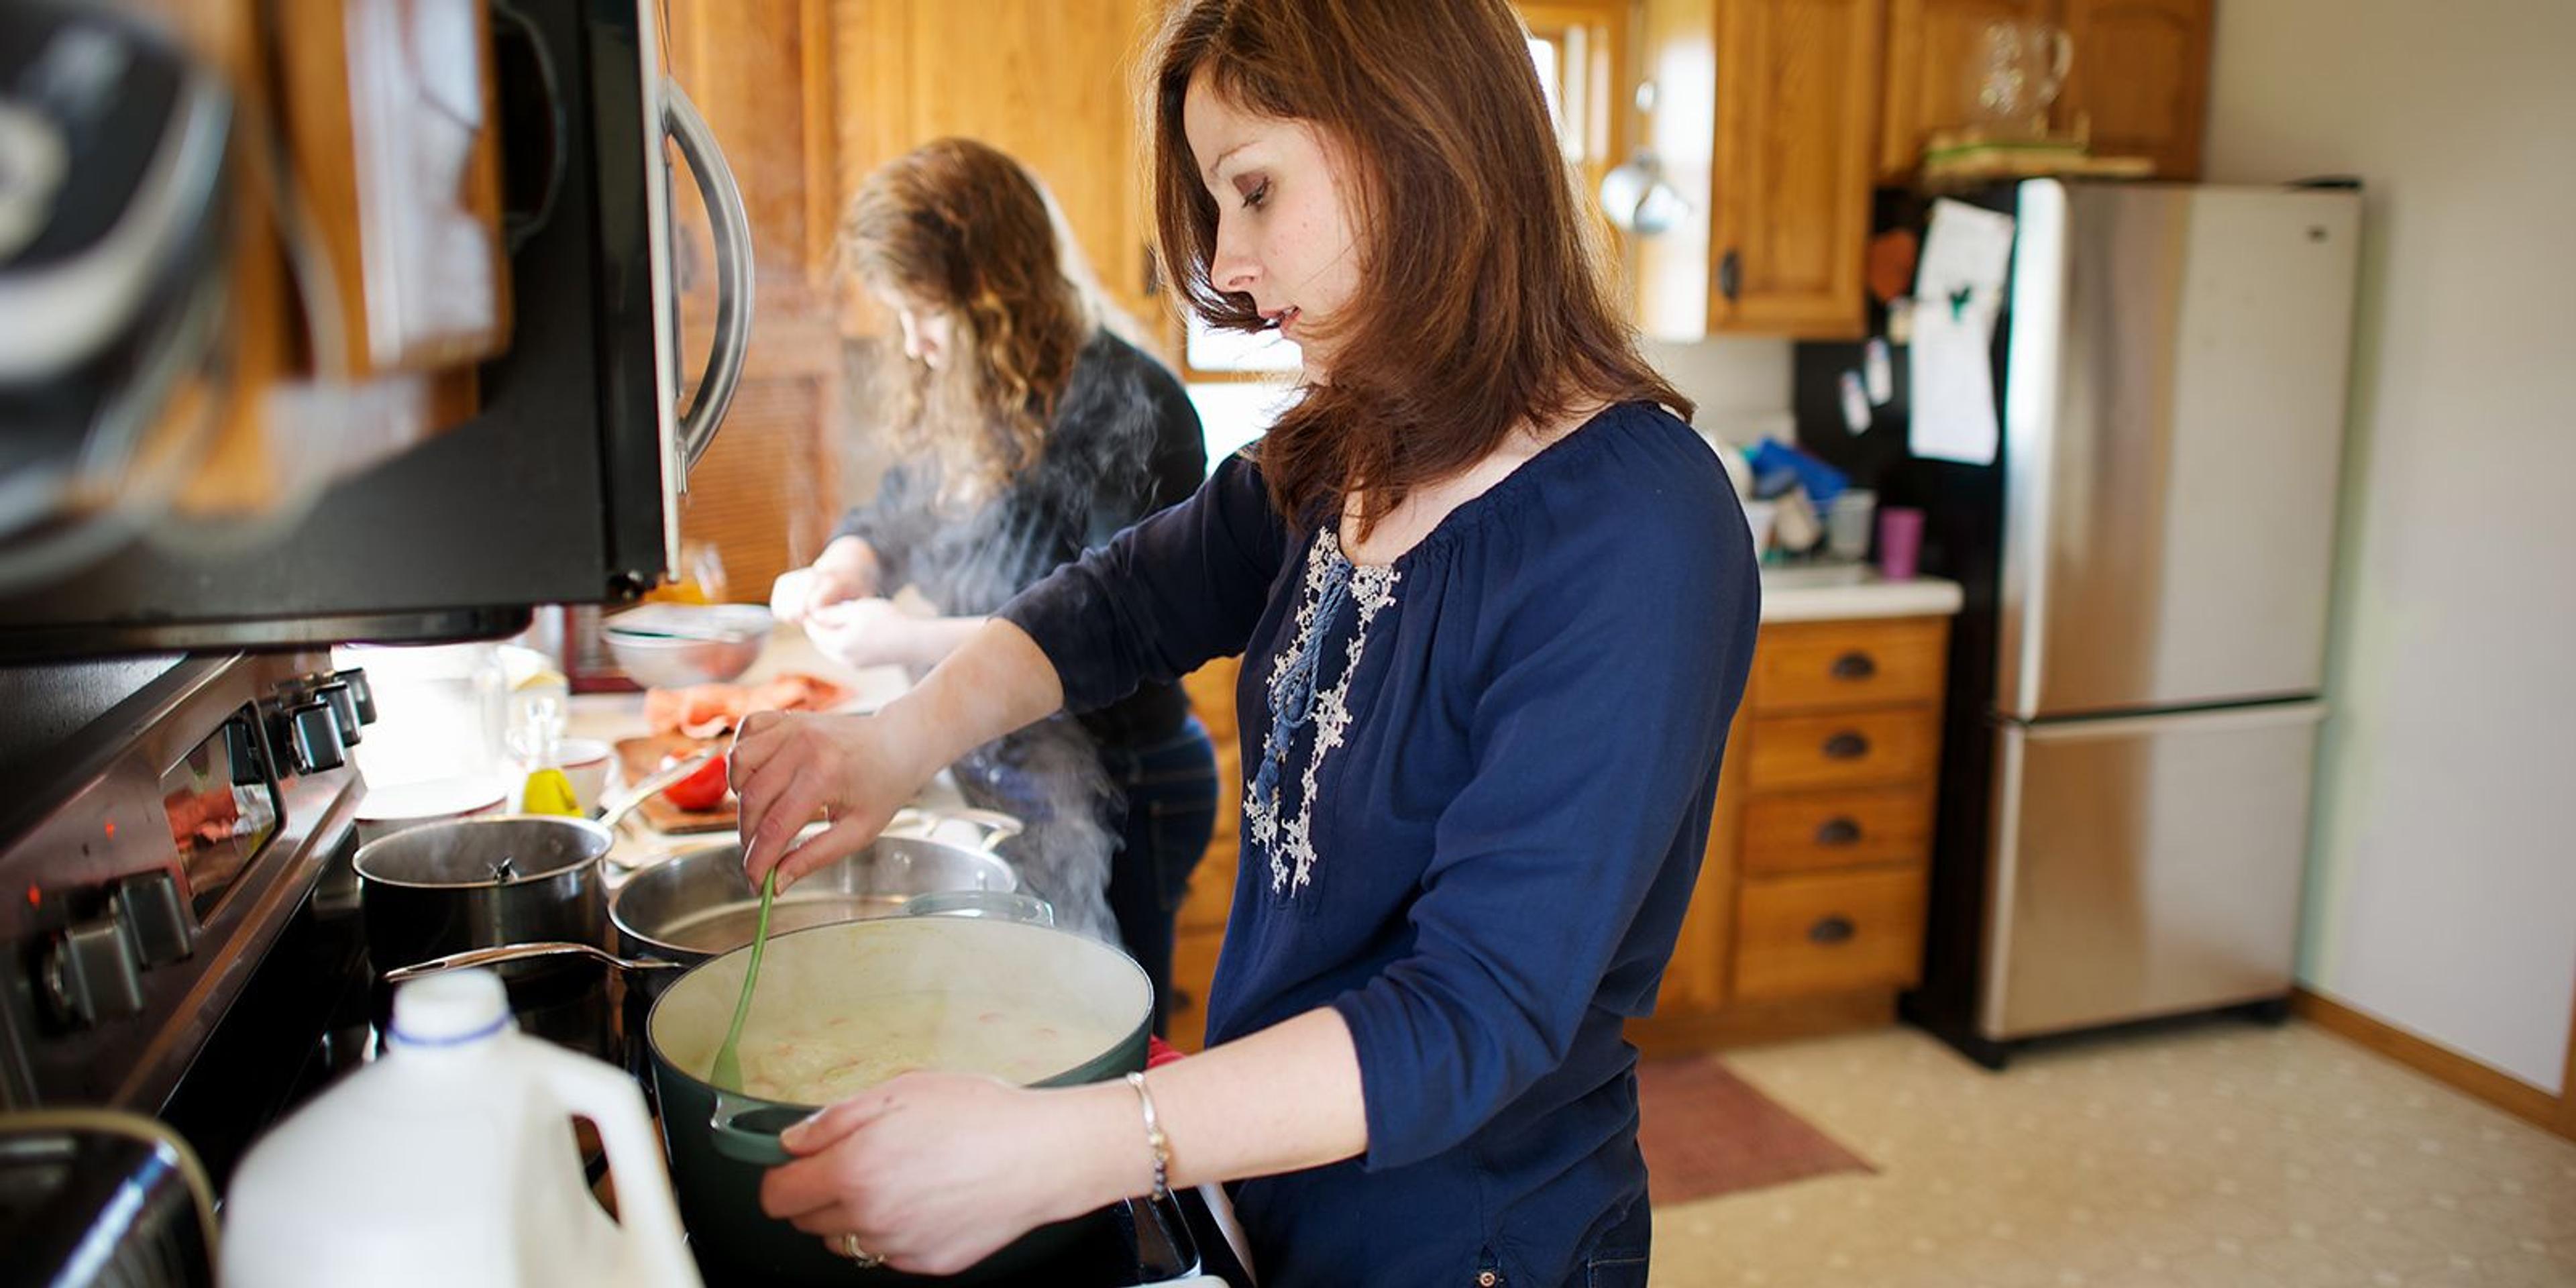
(859, 974)
(443, 888)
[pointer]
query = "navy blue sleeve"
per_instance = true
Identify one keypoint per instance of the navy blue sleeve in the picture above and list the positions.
(1616, 663)
(1163, 597)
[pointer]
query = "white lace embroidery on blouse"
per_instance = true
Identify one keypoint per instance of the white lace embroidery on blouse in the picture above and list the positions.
(1296, 694)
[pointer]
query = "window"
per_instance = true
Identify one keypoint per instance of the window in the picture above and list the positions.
(1580, 47)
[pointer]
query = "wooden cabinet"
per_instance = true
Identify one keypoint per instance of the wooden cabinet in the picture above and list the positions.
(1808, 913)
(2139, 81)
(1775, 119)
(806, 97)
(767, 493)
(1809, 910)
(1201, 927)
(1052, 82)
(2141, 77)
(1796, 111)
(1931, 45)
(1767, 112)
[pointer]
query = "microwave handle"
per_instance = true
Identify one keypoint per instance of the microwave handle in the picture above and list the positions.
(732, 227)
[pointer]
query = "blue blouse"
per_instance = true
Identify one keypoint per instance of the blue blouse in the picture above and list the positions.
(1479, 785)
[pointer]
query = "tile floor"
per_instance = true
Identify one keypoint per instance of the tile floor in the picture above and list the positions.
(2222, 1154)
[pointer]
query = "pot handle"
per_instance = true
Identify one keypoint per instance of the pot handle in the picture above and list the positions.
(746, 1129)
(992, 827)
(522, 952)
(992, 905)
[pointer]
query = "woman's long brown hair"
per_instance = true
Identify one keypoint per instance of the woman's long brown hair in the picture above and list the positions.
(1485, 303)
(959, 226)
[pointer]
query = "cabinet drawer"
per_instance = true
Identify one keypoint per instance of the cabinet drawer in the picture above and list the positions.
(1809, 666)
(1824, 934)
(1811, 831)
(1845, 749)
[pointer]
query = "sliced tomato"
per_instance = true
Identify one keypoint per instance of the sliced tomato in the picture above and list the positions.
(701, 791)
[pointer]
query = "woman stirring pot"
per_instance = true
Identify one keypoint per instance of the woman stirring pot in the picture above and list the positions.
(1496, 603)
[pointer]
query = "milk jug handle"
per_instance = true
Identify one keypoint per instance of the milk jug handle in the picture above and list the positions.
(648, 1220)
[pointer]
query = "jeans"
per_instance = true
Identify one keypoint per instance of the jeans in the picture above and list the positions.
(1618, 1260)
(1162, 830)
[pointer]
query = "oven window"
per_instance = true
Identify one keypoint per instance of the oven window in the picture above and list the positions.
(218, 824)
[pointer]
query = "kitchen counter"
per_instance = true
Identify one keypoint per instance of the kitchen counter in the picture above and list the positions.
(609, 717)
(1813, 594)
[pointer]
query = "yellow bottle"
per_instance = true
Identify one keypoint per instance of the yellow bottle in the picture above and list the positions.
(550, 792)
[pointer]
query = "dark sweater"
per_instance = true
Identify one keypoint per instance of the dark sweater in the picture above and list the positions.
(1484, 866)
(1125, 442)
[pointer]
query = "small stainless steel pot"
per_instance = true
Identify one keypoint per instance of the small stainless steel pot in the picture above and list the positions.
(700, 904)
(444, 888)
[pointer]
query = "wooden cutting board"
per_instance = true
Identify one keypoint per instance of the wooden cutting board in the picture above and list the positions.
(637, 757)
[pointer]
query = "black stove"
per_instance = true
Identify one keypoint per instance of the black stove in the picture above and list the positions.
(176, 899)
(183, 939)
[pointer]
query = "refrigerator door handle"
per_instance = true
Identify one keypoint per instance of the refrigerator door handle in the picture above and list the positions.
(2210, 720)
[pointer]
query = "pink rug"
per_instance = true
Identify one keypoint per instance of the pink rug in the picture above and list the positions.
(1707, 1132)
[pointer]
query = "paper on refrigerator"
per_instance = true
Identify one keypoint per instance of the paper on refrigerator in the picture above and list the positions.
(1958, 293)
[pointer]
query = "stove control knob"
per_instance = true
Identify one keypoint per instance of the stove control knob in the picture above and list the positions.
(313, 737)
(343, 702)
(88, 974)
(157, 917)
(360, 691)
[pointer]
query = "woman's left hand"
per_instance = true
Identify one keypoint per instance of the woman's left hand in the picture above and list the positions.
(865, 632)
(933, 1172)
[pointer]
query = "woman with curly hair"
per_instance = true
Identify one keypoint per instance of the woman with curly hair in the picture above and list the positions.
(1026, 433)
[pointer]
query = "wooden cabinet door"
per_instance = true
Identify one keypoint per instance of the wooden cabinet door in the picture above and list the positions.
(767, 493)
(2141, 75)
(1797, 118)
(1052, 82)
(1931, 47)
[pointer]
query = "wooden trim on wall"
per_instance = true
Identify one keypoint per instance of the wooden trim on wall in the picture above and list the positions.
(2495, 1087)
(2567, 1085)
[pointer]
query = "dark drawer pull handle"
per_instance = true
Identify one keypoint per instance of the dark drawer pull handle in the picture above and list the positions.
(1838, 831)
(1855, 666)
(1846, 745)
(1831, 930)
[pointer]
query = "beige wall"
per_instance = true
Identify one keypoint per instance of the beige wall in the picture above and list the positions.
(2443, 874)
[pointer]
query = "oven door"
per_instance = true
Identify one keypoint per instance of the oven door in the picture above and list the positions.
(563, 487)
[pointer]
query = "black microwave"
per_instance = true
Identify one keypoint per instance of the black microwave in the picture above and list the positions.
(561, 487)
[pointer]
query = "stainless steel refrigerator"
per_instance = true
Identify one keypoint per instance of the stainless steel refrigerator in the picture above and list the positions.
(2136, 682)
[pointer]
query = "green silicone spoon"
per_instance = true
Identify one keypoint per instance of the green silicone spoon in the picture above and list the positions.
(727, 1073)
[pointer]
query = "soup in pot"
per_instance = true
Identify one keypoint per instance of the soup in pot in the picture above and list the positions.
(827, 1058)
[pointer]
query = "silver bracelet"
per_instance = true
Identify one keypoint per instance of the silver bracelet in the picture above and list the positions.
(1154, 1138)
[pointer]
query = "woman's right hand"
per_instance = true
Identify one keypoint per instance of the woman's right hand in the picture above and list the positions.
(846, 570)
(788, 767)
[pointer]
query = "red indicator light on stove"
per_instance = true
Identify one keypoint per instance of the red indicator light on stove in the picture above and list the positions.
(35, 897)
(111, 829)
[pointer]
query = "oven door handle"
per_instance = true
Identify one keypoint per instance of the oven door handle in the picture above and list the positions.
(732, 228)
